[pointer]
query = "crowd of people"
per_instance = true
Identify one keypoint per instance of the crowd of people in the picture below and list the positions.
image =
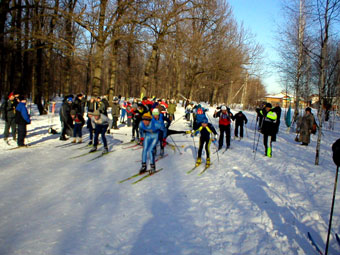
(150, 121)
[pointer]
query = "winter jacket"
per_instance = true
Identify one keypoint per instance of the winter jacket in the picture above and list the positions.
(79, 105)
(79, 119)
(268, 126)
(115, 110)
(240, 118)
(225, 118)
(10, 106)
(200, 115)
(153, 128)
(65, 111)
(206, 131)
(103, 120)
(304, 127)
(21, 115)
(172, 108)
(102, 107)
(91, 106)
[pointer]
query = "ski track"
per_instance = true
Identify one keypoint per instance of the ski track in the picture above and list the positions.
(242, 204)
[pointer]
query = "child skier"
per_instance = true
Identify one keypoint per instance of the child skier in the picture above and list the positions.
(78, 122)
(205, 129)
(100, 123)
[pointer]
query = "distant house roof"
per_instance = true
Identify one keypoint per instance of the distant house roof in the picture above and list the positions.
(279, 96)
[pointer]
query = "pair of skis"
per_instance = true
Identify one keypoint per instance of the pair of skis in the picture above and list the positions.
(205, 169)
(145, 175)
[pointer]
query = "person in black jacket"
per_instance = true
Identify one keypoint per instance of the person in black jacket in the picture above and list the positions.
(239, 119)
(336, 152)
(9, 116)
(65, 118)
(79, 122)
(277, 109)
(22, 119)
(79, 104)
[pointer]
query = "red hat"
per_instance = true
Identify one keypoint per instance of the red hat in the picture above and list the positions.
(11, 95)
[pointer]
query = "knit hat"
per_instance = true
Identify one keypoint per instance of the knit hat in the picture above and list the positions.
(155, 111)
(223, 108)
(69, 99)
(205, 120)
(73, 112)
(147, 116)
(96, 113)
(10, 94)
(268, 105)
(308, 109)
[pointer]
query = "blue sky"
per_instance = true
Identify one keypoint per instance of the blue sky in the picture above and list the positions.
(261, 18)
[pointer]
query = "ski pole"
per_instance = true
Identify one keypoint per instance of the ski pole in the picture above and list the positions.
(194, 145)
(331, 215)
(257, 145)
(175, 145)
(254, 136)
(246, 130)
(218, 158)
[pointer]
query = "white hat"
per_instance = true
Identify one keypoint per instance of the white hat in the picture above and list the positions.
(223, 108)
(155, 111)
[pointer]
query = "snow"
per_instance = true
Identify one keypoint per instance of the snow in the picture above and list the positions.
(243, 204)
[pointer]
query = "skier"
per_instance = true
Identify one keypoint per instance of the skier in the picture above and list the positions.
(9, 116)
(206, 129)
(188, 110)
(199, 116)
(239, 119)
(172, 110)
(224, 116)
(305, 126)
(129, 113)
(100, 123)
(22, 119)
(268, 128)
(136, 119)
(102, 105)
(162, 134)
(149, 129)
(277, 109)
(78, 123)
(79, 104)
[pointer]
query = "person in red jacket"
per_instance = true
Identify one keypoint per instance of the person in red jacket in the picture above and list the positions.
(224, 124)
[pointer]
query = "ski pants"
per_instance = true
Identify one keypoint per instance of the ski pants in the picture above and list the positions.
(135, 129)
(122, 115)
(77, 130)
(22, 131)
(10, 124)
(149, 144)
(226, 130)
(207, 143)
(100, 129)
(267, 149)
(241, 129)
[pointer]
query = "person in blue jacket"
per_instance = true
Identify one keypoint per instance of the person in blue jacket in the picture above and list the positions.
(149, 130)
(199, 116)
(22, 118)
(162, 134)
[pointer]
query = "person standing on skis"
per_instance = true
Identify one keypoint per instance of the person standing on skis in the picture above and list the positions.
(206, 129)
(100, 123)
(268, 128)
(149, 131)
(224, 116)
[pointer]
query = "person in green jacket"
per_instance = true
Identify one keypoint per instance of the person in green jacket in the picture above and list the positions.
(172, 109)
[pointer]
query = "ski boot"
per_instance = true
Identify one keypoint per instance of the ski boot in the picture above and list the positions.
(74, 140)
(80, 140)
(207, 163)
(143, 169)
(105, 151)
(198, 162)
(93, 149)
(152, 168)
(90, 143)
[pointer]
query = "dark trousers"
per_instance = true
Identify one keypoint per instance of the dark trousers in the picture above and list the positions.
(207, 142)
(114, 122)
(10, 124)
(226, 130)
(77, 130)
(100, 129)
(66, 129)
(241, 129)
(267, 138)
(90, 128)
(135, 129)
(21, 134)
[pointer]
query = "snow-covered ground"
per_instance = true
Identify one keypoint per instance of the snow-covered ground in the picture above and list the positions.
(53, 204)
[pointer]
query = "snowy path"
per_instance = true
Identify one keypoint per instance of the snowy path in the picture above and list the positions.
(51, 204)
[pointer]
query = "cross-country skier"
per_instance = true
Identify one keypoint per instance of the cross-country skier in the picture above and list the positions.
(100, 123)
(206, 129)
(240, 119)
(268, 128)
(224, 116)
(149, 129)
(78, 123)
